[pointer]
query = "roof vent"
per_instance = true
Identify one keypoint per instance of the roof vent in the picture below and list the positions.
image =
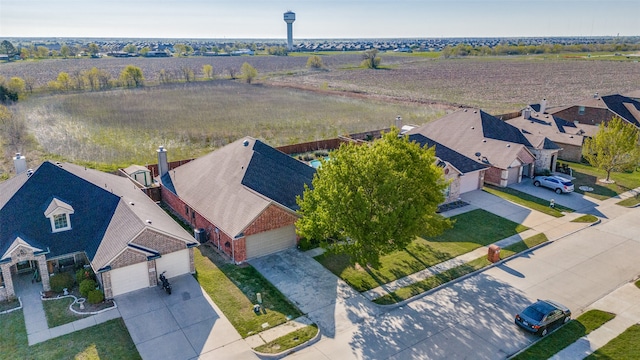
(508, 145)
(475, 111)
(29, 172)
(478, 154)
(484, 140)
(595, 96)
(473, 127)
(465, 110)
(245, 143)
(148, 221)
(131, 203)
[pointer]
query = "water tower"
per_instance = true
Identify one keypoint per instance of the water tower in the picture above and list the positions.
(289, 18)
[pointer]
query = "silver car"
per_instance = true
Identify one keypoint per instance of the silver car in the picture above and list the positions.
(556, 183)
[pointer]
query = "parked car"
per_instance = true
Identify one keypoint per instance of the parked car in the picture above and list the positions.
(542, 316)
(556, 183)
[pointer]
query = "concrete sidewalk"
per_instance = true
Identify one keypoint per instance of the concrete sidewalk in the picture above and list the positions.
(624, 303)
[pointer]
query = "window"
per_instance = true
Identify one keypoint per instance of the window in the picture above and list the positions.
(447, 191)
(60, 221)
(581, 110)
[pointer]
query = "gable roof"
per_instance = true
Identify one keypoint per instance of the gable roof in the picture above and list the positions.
(98, 199)
(477, 135)
(538, 127)
(459, 161)
(622, 106)
(233, 185)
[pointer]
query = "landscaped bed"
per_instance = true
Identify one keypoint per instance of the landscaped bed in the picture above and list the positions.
(109, 340)
(456, 272)
(470, 231)
(234, 287)
(566, 335)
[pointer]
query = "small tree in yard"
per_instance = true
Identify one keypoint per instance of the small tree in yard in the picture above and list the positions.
(373, 199)
(614, 148)
(315, 62)
(248, 72)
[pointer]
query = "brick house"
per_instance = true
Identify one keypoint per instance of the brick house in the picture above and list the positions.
(598, 109)
(241, 197)
(60, 217)
(486, 140)
(540, 127)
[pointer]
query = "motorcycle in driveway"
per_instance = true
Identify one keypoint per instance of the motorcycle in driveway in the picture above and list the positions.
(165, 283)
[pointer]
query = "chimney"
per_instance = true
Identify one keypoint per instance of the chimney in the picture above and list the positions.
(543, 106)
(163, 164)
(526, 113)
(20, 163)
(398, 122)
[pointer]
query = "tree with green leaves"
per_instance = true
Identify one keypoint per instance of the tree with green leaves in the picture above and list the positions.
(6, 47)
(370, 59)
(132, 76)
(17, 85)
(94, 49)
(615, 147)
(248, 72)
(65, 51)
(130, 48)
(315, 62)
(370, 200)
(207, 71)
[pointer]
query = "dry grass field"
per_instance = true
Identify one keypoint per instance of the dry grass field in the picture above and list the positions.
(288, 104)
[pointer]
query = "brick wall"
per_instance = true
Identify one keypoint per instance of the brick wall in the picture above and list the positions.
(128, 257)
(492, 176)
(156, 241)
(570, 152)
(273, 217)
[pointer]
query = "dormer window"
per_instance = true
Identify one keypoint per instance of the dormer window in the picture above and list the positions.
(58, 213)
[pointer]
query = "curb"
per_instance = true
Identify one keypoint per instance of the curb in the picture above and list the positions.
(287, 352)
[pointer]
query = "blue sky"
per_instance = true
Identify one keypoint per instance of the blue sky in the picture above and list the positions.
(317, 19)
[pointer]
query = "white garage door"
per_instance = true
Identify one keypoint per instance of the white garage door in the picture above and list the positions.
(469, 182)
(271, 241)
(175, 263)
(129, 278)
(514, 173)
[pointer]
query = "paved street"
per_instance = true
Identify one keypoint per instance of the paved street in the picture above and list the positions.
(472, 318)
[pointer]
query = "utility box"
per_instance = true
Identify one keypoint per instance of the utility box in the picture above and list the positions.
(494, 253)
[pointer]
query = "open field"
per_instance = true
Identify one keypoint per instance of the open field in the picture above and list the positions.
(289, 104)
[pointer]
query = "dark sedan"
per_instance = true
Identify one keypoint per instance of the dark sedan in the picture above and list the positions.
(542, 316)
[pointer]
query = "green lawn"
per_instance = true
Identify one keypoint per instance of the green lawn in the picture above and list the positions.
(456, 272)
(586, 175)
(470, 231)
(530, 201)
(588, 218)
(109, 340)
(233, 288)
(58, 313)
(625, 346)
(630, 201)
(566, 335)
(289, 341)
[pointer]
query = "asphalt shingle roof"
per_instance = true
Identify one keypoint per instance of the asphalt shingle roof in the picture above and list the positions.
(459, 161)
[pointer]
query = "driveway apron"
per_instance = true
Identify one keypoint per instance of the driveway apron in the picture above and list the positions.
(183, 325)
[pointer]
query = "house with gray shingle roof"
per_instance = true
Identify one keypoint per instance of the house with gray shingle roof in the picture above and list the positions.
(60, 217)
(598, 109)
(486, 140)
(241, 197)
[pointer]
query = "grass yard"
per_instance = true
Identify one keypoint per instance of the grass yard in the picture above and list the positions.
(586, 175)
(530, 201)
(566, 335)
(470, 231)
(289, 341)
(58, 313)
(456, 272)
(109, 340)
(625, 346)
(233, 288)
(588, 218)
(630, 201)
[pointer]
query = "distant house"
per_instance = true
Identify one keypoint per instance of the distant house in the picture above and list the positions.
(489, 141)
(61, 217)
(155, 53)
(241, 197)
(539, 128)
(598, 109)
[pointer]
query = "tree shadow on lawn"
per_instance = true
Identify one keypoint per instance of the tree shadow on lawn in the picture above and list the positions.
(583, 179)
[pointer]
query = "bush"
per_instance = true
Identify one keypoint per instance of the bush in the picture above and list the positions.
(61, 281)
(84, 274)
(95, 296)
(86, 286)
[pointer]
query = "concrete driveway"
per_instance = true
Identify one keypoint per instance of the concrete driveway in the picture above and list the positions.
(574, 200)
(183, 325)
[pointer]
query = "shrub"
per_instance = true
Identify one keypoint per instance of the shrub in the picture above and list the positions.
(61, 281)
(95, 296)
(84, 274)
(86, 286)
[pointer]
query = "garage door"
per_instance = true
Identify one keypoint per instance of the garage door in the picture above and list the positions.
(129, 278)
(176, 263)
(469, 182)
(271, 241)
(514, 173)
